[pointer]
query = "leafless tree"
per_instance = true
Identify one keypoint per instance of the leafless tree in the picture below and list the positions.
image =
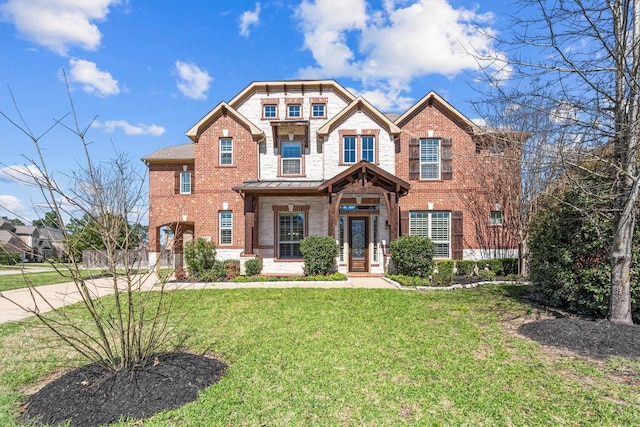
(129, 327)
(578, 62)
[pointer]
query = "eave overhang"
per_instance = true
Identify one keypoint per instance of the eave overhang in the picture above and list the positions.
(365, 174)
(359, 105)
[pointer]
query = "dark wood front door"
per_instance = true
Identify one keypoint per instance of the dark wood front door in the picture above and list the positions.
(358, 244)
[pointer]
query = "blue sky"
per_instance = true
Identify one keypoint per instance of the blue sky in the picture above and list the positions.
(149, 69)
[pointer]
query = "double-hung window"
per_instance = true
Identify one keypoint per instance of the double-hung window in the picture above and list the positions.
(291, 158)
(436, 226)
(226, 151)
(226, 227)
(429, 158)
(368, 148)
(290, 233)
(185, 182)
(349, 149)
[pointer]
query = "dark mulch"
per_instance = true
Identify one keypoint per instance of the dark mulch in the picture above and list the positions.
(598, 339)
(91, 396)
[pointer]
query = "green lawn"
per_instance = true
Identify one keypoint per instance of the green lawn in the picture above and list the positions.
(17, 281)
(359, 357)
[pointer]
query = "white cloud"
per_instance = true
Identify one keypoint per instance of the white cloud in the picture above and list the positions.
(393, 46)
(58, 25)
(138, 129)
(94, 81)
(11, 204)
(193, 82)
(21, 174)
(249, 18)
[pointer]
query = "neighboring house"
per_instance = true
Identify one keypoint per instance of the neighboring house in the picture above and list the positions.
(11, 242)
(30, 235)
(284, 160)
(51, 243)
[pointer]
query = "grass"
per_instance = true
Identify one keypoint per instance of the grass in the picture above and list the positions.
(360, 357)
(17, 281)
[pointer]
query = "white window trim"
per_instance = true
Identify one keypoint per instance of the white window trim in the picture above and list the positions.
(430, 230)
(184, 174)
(439, 162)
(224, 228)
(225, 152)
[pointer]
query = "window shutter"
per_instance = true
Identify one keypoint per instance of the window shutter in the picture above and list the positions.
(193, 182)
(457, 235)
(176, 183)
(447, 159)
(414, 158)
(404, 223)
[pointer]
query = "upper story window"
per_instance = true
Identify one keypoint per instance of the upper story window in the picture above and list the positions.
(430, 158)
(291, 158)
(294, 111)
(495, 218)
(349, 149)
(318, 110)
(185, 182)
(436, 226)
(226, 227)
(270, 111)
(368, 148)
(226, 151)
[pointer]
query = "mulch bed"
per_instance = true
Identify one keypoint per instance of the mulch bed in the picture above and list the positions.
(92, 396)
(596, 339)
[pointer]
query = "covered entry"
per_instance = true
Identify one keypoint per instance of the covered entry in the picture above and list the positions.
(363, 215)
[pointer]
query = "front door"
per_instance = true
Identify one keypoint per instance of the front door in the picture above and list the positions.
(358, 244)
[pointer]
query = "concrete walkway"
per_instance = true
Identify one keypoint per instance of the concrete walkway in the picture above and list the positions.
(20, 304)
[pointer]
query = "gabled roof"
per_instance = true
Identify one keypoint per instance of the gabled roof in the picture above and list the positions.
(359, 104)
(433, 98)
(224, 109)
(175, 154)
(365, 173)
(293, 85)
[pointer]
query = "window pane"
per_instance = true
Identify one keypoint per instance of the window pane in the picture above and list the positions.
(349, 155)
(291, 150)
(317, 110)
(291, 158)
(291, 167)
(368, 148)
(270, 111)
(293, 110)
(226, 227)
(185, 182)
(419, 224)
(440, 226)
(226, 151)
(429, 158)
(496, 218)
(291, 231)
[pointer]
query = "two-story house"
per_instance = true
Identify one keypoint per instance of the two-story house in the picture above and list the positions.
(284, 160)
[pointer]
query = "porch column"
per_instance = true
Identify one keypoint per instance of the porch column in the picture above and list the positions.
(392, 214)
(155, 248)
(249, 223)
(334, 212)
(178, 245)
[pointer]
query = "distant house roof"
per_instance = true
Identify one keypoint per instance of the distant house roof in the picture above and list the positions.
(178, 153)
(6, 225)
(27, 230)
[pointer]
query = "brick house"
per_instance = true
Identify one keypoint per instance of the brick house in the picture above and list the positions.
(283, 160)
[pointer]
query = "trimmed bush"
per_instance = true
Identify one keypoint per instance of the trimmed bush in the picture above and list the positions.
(200, 256)
(465, 267)
(413, 255)
(253, 267)
(319, 253)
(487, 275)
(443, 273)
(510, 266)
(494, 265)
(231, 268)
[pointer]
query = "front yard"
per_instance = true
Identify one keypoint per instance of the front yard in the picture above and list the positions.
(364, 357)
